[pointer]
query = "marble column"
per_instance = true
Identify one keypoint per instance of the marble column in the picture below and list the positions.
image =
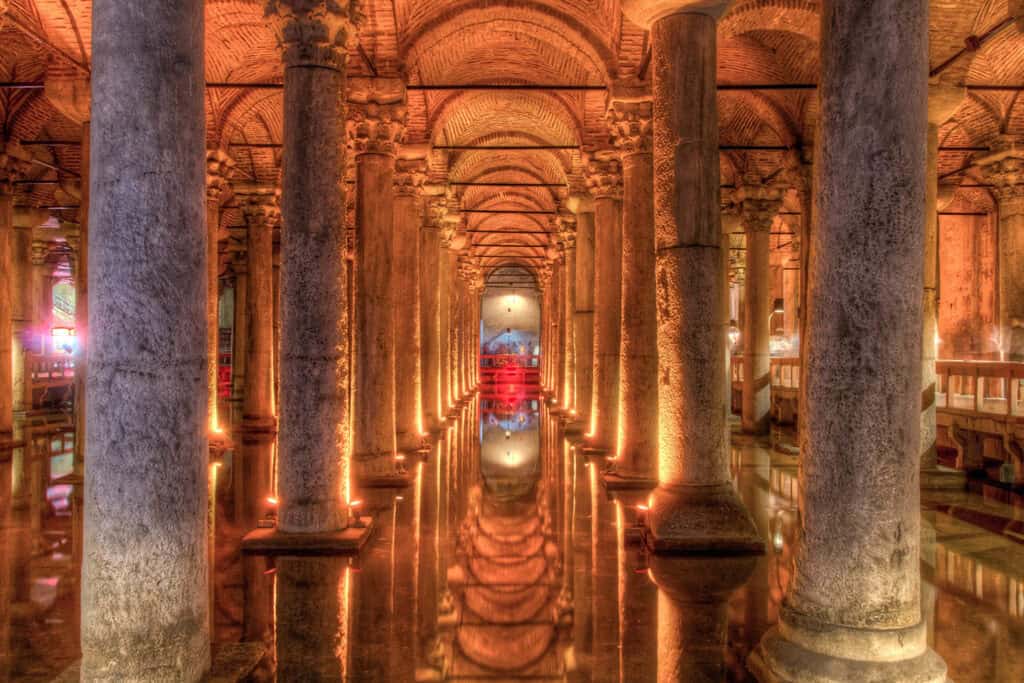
(218, 168)
(583, 317)
(375, 127)
(853, 609)
(943, 101)
(694, 507)
(604, 179)
(409, 177)
(1004, 169)
(432, 402)
(637, 450)
(313, 443)
(759, 204)
(144, 577)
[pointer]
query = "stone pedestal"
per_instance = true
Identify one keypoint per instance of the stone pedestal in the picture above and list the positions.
(313, 444)
(144, 577)
(694, 508)
(636, 454)
(853, 610)
(604, 178)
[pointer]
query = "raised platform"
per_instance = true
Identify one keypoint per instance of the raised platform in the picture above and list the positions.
(273, 542)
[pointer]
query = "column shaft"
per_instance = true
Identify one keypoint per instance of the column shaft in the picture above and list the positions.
(569, 313)
(583, 320)
(145, 591)
(607, 316)
(756, 332)
(6, 317)
(430, 327)
(406, 311)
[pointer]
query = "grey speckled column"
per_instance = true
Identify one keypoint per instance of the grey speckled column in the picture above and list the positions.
(144, 579)
(313, 444)
(409, 177)
(637, 449)
(758, 208)
(694, 508)
(853, 612)
(604, 178)
(583, 320)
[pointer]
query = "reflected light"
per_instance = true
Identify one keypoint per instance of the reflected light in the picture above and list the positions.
(272, 500)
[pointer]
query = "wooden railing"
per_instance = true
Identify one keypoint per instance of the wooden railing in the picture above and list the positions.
(49, 379)
(984, 387)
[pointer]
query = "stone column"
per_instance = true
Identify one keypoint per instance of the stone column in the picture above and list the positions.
(218, 168)
(694, 507)
(759, 204)
(42, 295)
(432, 401)
(567, 236)
(853, 609)
(260, 207)
(313, 444)
(943, 101)
(446, 276)
(583, 318)
(604, 178)
(1004, 169)
(629, 119)
(144, 579)
(240, 268)
(13, 163)
(409, 177)
(375, 127)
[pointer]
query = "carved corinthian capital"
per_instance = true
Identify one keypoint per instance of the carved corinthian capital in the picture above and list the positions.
(410, 174)
(604, 177)
(631, 125)
(314, 32)
(260, 205)
(218, 168)
(1004, 169)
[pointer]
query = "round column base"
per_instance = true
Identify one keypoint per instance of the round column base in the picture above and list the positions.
(701, 520)
(778, 660)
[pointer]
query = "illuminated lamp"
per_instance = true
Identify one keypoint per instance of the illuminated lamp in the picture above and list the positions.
(355, 521)
(64, 339)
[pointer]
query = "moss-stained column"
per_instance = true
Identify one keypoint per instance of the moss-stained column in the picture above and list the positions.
(604, 178)
(144, 580)
(409, 176)
(853, 609)
(759, 204)
(313, 438)
(694, 507)
(629, 119)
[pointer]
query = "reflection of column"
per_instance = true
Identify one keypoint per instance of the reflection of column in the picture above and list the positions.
(605, 573)
(312, 618)
(638, 612)
(375, 126)
(144, 577)
(409, 177)
(943, 101)
(759, 205)
(604, 178)
(218, 166)
(259, 206)
(430, 316)
(313, 447)
(694, 507)
(583, 319)
(1005, 170)
(853, 609)
(637, 447)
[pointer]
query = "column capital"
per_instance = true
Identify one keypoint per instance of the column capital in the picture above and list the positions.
(645, 13)
(437, 210)
(1004, 169)
(40, 252)
(314, 32)
(565, 223)
(630, 122)
(375, 128)
(544, 274)
(410, 176)
(218, 168)
(759, 204)
(14, 165)
(604, 176)
(259, 204)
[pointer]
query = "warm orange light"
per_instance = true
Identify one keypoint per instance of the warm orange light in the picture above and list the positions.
(642, 508)
(355, 503)
(272, 500)
(399, 457)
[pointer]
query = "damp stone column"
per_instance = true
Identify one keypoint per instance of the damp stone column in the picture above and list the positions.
(758, 204)
(853, 608)
(583, 318)
(313, 445)
(694, 508)
(630, 119)
(604, 179)
(144, 578)
(218, 168)
(409, 176)
(375, 126)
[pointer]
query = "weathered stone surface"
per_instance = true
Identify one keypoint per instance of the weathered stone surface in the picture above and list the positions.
(144, 579)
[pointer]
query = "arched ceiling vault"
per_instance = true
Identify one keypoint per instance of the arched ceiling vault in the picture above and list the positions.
(511, 43)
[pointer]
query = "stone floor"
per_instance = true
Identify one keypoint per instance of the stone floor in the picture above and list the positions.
(515, 605)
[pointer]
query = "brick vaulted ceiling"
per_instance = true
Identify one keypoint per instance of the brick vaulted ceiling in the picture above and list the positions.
(514, 42)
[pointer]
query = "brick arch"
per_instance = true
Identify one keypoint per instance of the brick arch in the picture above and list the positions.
(545, 116)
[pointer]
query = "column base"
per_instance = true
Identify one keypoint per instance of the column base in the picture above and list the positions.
(701, 520)
(625, 481)
(778, 660)
(347, 541)
(943, 479)
(576, 429)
